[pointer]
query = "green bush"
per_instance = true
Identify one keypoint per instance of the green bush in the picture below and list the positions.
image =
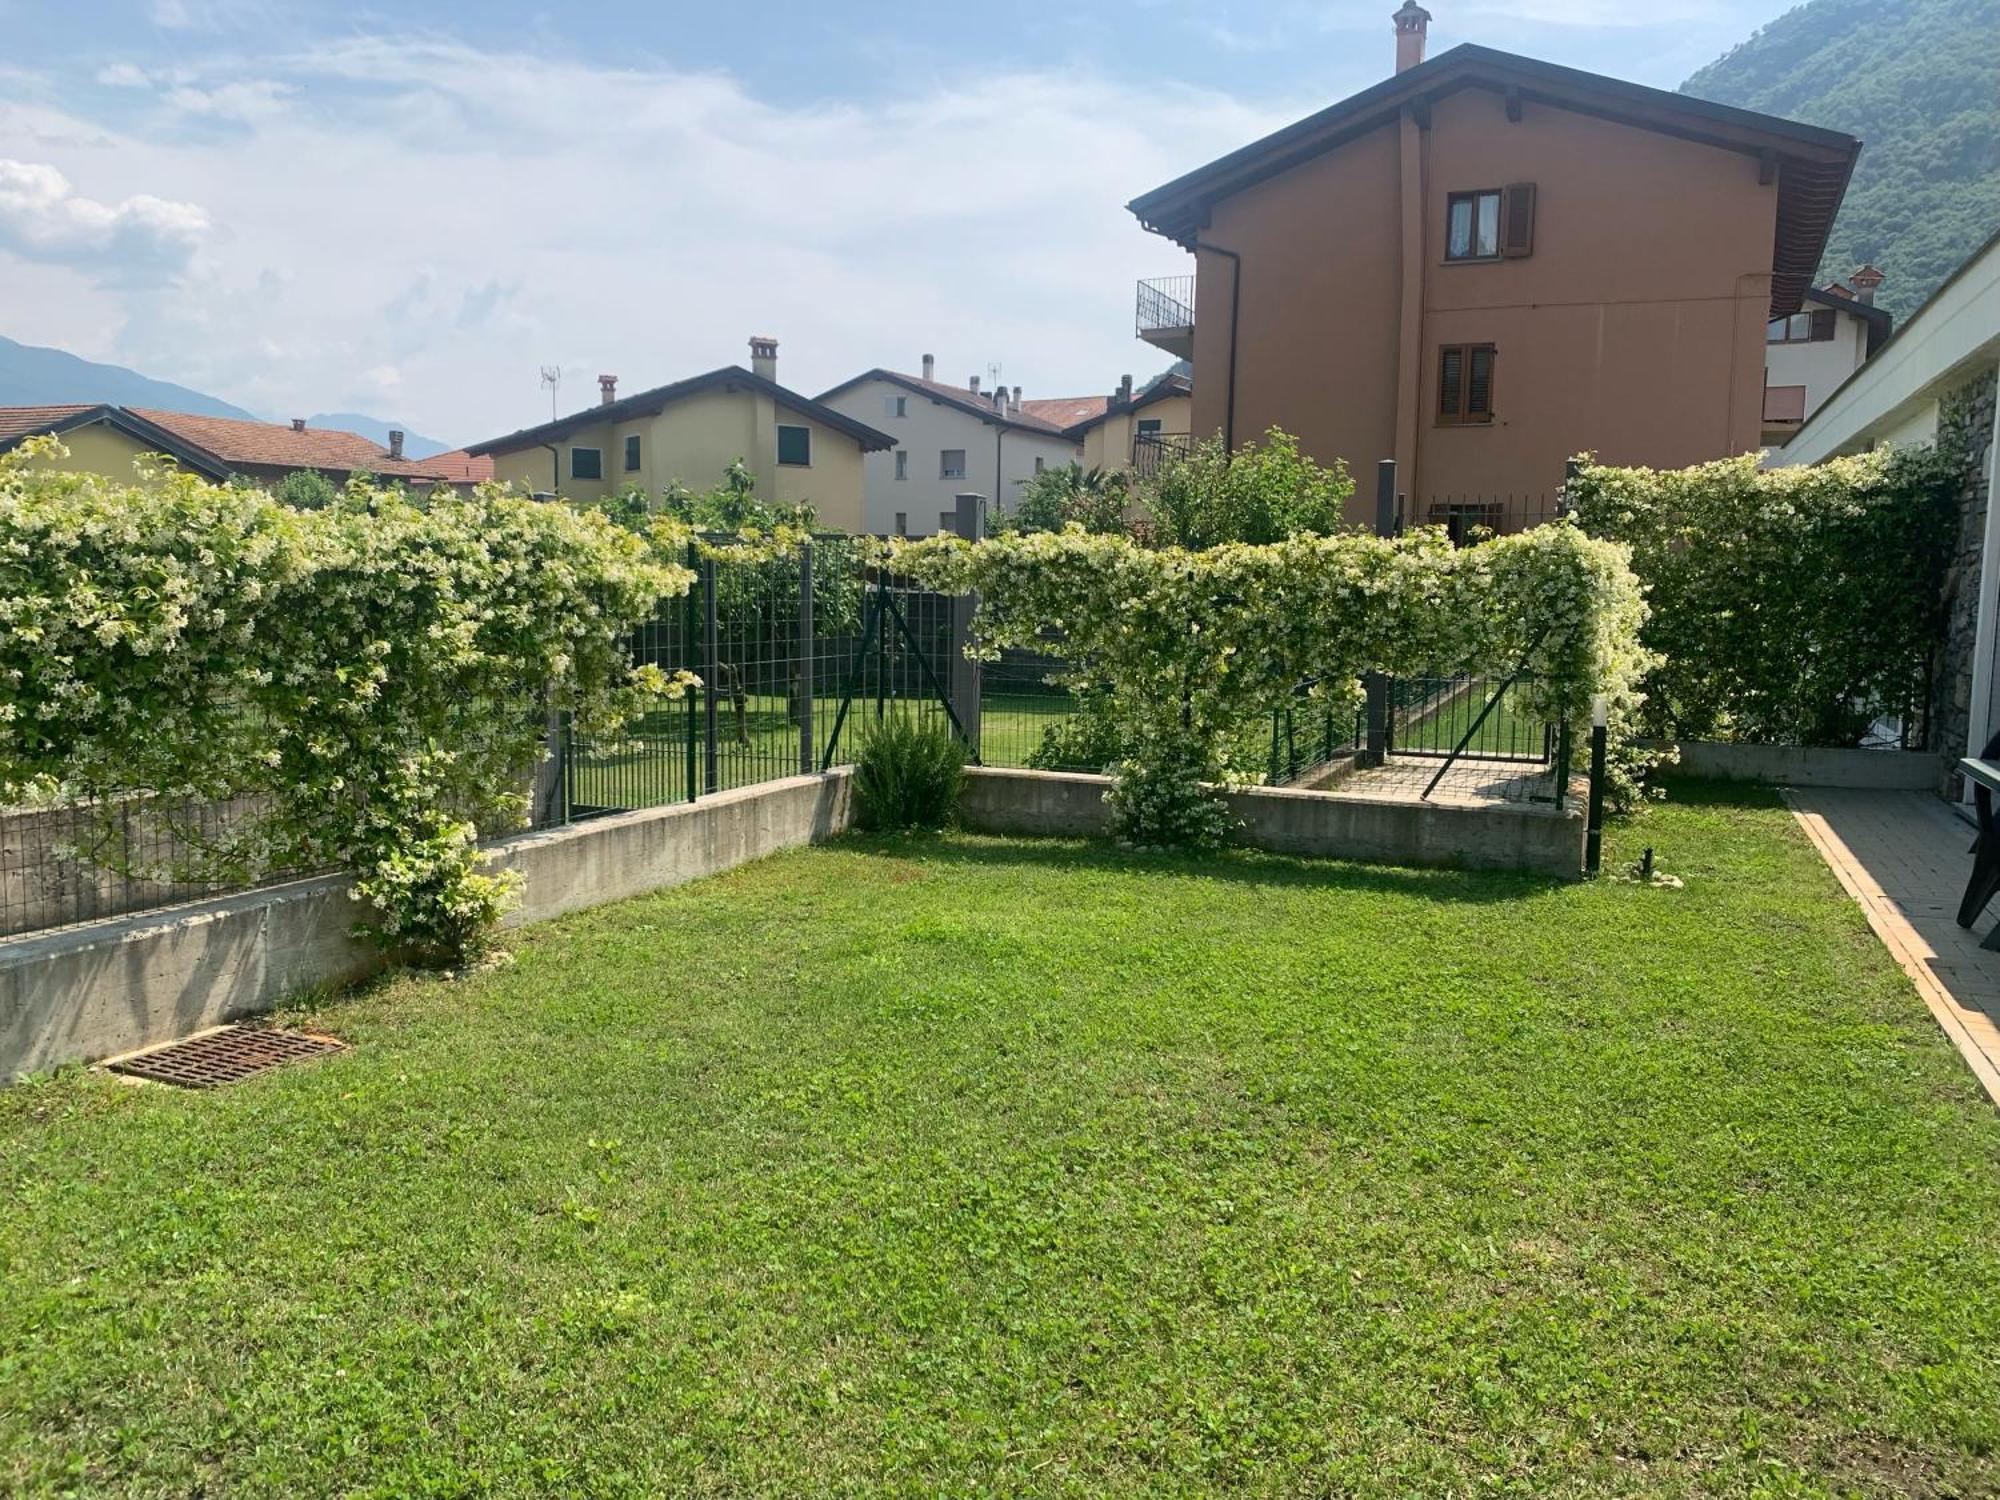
(1793, 605)
(908, 775)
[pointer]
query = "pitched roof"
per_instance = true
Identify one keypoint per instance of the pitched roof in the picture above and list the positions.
(21, 421)
(1812, 164)
(1066, 411)
(647, 403)
(459, 467)
(1163, 389)
(278, 445)
(973, 403)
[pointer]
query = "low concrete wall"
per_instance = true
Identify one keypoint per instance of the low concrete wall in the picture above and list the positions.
(1289, 820)
(97, 991)
(1803, 765)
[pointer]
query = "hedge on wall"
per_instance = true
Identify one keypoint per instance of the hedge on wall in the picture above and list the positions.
(1191, 646)
(1795, 605)
(374, 677)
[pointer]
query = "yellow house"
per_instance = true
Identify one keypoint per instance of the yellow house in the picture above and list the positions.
(689, 433)
(101, 439)
(1134, 432)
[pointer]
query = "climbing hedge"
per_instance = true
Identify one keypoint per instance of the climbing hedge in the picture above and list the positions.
(373, 677)
(1192, 646)
(1794, 605)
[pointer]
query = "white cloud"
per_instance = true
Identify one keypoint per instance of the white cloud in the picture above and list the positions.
(140, 239)
(1601, 13)
(461, 217)
(250, 100)
(123, 75)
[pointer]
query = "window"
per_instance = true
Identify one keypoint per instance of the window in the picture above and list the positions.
(632, 454)
(1784, 403)
(1039, 465)
(1815, 326)
(896, 406)
(1491, 223)
(902, 463)
(902, 523)
(586, 463)
(795, 446)
(1149, 425)
(1465, 384)
(951, 464)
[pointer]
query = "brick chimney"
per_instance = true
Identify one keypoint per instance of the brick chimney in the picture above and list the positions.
(396, 442)
(1412, 21)
(607, 389)
(1865, 282)
(764, 356)
(930, 367)
(298, 424)
(1125, 390)
(1016, 403)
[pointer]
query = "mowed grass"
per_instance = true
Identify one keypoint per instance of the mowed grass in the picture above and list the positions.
(963, 1166)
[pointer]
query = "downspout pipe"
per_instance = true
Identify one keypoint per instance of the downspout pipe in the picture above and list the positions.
(1229, 382)
(555, 468)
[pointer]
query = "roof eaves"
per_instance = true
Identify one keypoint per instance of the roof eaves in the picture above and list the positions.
(156, 438)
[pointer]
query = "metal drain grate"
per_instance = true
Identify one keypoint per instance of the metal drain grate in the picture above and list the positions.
(224, 1056)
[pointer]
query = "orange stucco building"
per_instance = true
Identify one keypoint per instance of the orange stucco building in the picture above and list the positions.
(1485, 264)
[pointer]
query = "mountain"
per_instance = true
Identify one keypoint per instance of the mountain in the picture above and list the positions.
(33, 376)
(415, 444)
(1919, 82)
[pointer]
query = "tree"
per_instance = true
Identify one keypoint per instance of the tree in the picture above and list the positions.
(1094, 499)
(1258, 494)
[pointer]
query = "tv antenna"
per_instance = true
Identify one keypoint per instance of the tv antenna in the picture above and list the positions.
(552, 378)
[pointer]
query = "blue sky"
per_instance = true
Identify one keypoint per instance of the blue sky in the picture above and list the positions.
(306, 207)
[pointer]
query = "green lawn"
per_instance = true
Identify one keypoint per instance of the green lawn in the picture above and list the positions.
(965, 1166)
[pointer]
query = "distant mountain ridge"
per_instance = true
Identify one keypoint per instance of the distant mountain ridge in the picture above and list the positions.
(34, 375)
(1919, 82)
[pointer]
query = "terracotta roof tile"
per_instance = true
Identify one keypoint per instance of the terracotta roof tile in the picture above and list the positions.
(1066, 411)
(15, 420)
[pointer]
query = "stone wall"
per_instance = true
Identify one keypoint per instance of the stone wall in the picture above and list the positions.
(1965, 427)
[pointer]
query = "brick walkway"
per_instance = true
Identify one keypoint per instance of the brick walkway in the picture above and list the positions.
(1904, 856)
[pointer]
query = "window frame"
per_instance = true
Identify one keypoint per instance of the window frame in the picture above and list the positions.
(945, 470)
(1460, 415)
(633, 457)
(794, 463)
(1821, 326)
(902, 464)
(596, 463)
(1473, 196)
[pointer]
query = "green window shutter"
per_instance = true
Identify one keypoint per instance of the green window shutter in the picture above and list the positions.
(795, 446)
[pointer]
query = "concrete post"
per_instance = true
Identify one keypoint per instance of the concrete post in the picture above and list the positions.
(969, 521)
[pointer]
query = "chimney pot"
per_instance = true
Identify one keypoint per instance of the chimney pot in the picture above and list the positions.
(972, 385)
(395, 442)
(764, 357)
(930, 367)
(1865, 282)
(607, 389)
(1412, 22)
(1017, 400)
(298, 424)
(1125, 389)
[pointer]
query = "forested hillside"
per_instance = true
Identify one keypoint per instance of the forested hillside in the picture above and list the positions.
(1919, 82)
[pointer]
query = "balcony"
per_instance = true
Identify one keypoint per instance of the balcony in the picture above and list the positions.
(1166, 314)
(1152, 450)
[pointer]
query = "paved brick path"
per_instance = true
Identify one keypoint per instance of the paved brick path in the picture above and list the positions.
(1905, 857)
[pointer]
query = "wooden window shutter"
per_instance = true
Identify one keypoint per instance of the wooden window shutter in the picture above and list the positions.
(1822, 324)
(1479, 383)
(1517, 220)
(1451, 382)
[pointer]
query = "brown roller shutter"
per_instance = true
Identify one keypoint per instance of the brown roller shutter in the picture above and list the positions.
(1517, 220)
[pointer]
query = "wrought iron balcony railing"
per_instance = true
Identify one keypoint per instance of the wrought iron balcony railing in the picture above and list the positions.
(1166, 314)
(1150, 450)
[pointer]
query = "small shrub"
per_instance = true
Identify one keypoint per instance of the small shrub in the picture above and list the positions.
(908, 775)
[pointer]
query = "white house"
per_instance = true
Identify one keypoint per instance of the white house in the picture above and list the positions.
(1934, 380)
(1808, 355)
(949, 440)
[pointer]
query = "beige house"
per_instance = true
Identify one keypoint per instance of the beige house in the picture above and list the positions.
(1809, 355)
(800, 451)
(105, 439)
(1134, 432)
(1486, 263)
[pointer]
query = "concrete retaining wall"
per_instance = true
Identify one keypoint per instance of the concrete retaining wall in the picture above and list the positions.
(97, 991)
(1290, 820)
(1803, 765)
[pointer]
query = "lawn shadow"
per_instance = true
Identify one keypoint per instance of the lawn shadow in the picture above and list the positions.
(1707, 791)
(1246, 866)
